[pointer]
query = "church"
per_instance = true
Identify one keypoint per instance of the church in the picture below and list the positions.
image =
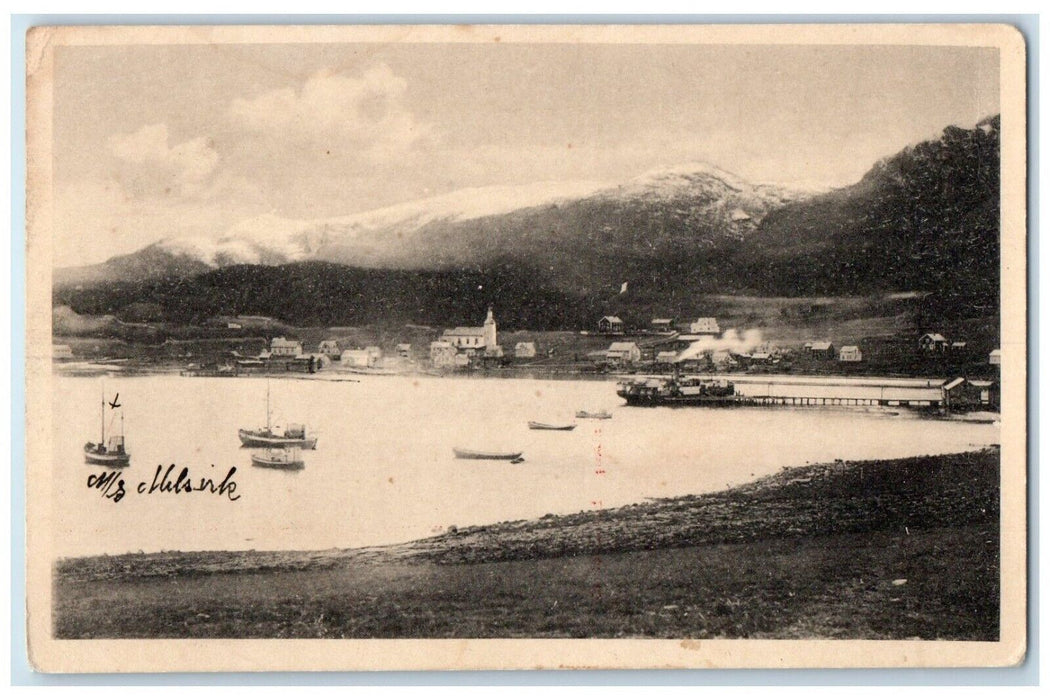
(475, 340)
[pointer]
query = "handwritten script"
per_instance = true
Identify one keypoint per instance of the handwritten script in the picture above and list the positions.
(166, 480)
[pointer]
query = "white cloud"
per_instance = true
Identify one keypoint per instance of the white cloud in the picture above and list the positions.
(149, 165)
(367, 112)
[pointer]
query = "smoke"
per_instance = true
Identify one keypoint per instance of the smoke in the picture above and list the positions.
(731, 341)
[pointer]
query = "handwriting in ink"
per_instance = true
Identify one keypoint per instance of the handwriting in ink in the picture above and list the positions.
(183, 483)
(109, 484)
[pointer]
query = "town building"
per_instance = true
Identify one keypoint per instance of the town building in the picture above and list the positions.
(404, 350)
(282, 347)
(329, 348)
(820, 349)
(442, 353)
(707, 326)
(723, 360)
(995, 357)
(933, 342)
(357, 358)
(525, 349)
(850, 353)
(623, 353)
(662, 324)
(610, 325)
(666, 357)
(61, 352)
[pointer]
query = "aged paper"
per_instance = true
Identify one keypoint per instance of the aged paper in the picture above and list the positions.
(525, 347)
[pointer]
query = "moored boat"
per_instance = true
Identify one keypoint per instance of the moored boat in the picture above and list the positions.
(279, 458)
(480, 454)
(292, 436)
(594, 415)
(112, 453)
(536, 425)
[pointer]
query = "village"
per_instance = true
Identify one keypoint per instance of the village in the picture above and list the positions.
(664, 346)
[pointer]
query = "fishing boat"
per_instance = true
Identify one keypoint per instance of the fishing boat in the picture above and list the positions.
(536, 425)
(112, 453)
(279, 458)
(478, 454)
(292, 436)
(595, 415)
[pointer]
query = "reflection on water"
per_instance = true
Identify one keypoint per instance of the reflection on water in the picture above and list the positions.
(384, 470)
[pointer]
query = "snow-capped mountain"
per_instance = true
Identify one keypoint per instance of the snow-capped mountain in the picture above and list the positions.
(691, 204)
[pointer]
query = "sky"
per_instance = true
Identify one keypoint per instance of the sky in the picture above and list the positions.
(189, 140)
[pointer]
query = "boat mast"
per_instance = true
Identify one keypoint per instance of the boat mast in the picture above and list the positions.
(268, 405)
(102, 417)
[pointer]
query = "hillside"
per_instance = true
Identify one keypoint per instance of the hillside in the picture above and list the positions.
(924, 220)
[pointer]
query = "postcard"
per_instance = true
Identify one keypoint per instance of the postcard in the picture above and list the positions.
(525, 347)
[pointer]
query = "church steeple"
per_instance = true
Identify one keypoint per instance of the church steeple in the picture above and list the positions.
(490, 330)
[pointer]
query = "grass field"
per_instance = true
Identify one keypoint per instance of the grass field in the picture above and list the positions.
(869, 550)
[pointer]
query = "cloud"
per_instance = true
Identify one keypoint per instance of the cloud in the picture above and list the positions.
(367, 112)
(149, 165)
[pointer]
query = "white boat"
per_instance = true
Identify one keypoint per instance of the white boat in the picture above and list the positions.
(536, 425)
(595, 415)
(279, 458)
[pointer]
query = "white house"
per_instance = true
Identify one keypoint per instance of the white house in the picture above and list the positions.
(705, 326)
(850, 353)
(995, 357)
(329, 347)
(357, 358)
(404, 350)
(525, 349)
(282, 347)
(623, 352)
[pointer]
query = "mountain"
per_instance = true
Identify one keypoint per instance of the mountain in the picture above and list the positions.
(693, 204)
(925, 220)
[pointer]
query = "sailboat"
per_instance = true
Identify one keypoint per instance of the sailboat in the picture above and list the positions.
(113, 453)
(292, 436)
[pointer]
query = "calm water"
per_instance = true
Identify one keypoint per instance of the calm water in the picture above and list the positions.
(384, 470)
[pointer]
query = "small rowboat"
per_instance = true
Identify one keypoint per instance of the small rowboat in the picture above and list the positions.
(478, 454)
(598, 415)
(279, 458)
(534, 425)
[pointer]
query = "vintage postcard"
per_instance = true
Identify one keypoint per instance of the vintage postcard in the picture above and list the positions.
(525, 347)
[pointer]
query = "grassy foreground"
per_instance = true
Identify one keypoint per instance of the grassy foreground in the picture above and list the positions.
(862, 550)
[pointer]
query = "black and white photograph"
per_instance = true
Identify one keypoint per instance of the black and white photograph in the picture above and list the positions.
(504, 347)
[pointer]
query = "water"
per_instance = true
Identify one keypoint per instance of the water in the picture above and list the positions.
(384, 470)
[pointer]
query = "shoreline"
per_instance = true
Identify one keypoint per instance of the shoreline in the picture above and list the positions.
(930, 520)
